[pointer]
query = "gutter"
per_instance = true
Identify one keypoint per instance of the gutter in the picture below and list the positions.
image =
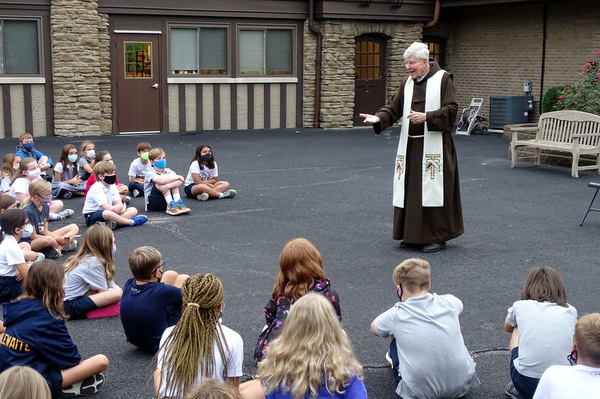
(318, 62)
(436, 14)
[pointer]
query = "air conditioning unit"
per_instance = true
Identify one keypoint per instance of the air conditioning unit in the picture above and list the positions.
(508, 110)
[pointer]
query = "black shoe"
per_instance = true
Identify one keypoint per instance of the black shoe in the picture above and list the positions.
(428, 248)
(405, 245)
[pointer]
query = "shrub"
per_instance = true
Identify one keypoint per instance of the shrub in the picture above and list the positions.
(585, 94)
(550, 99)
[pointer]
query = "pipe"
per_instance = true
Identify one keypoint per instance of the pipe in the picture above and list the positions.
(436, 14)
(318, 62)
(543, 66)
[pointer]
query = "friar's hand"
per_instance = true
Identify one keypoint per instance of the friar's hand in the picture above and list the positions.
(369, 119)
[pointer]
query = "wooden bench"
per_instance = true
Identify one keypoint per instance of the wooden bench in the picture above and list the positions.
(566, 131)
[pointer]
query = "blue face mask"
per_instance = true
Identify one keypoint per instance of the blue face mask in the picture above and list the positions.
(72, 158)
(161, 163)
(27, 146)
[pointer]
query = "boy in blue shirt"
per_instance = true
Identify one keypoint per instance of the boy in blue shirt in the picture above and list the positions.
(151, 300)
(25, 149)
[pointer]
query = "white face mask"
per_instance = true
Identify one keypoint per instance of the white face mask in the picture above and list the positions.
(34, 174)
(28, 230)
(91, 153)
(15, 167)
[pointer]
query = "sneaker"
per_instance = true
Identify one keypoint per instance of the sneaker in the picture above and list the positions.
(229, 194)
(52, 253)
(89, 386)
(70, 246)
(139, 220)
(127, 200)
(389, 359)
(67, 195)
(511, 391)
(202, 197)
(66, 213)
(40, 257)
(136, 193)
(172, 209)
(111, 224)
(182, 207)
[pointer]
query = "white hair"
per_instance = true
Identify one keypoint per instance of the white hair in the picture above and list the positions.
(419, 50)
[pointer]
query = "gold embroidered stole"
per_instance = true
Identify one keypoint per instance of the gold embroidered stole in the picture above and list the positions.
(432, 173)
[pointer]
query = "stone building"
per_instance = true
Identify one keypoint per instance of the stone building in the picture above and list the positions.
(90, 67)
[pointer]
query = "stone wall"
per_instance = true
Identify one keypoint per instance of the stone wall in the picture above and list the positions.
(337, 80)
(81, 68)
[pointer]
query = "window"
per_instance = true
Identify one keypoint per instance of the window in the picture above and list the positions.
(265, 52)
(437, 49)
(199, 51)
(19, 47)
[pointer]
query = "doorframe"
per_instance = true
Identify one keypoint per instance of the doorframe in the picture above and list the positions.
(383, 41)
(114, 70)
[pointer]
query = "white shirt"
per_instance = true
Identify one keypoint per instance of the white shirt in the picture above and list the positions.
(10, 256)
(99, 195)
(569, 382)
(20, 185)
(138, 169)
(234, 353)
(205, 173)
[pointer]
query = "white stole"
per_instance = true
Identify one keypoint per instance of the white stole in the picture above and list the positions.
(432, 163)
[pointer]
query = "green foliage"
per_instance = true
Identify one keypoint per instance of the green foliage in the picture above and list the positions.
(585, 94)
(550, 99)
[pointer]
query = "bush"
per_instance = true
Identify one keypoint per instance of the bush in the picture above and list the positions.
(550, 99)
(585, 94)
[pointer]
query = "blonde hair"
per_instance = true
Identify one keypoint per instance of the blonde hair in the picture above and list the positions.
(143, 261)
(212, 389)
(45, 282)
(413, 273)
(37, 187)
(188, 350)
(300, 264)
(85, 144)
(544, 284)
(23, 167)
(97, 241)
(155, 153)
(22, 382)
(587, 338)
(103, 168)
(312, 350)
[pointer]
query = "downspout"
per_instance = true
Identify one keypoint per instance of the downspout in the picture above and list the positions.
(543, 66)
(436, 14)
(318, 62)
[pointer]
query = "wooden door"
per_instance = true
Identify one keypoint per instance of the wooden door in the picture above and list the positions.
(369, 70)
(138, 83)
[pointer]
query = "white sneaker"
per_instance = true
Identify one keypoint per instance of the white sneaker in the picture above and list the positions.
(70, 246)
(127, 200)
(202, 197)
(229, 194)
(66, 213)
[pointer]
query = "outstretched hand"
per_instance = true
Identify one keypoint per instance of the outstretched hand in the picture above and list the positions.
(369, 119)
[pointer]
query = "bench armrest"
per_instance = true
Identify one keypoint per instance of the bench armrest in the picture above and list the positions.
(515, 134)
(585, 135)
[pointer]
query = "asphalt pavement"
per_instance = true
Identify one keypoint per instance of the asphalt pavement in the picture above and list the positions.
(334, 188)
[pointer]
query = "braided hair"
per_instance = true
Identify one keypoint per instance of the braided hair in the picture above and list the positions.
(188, 350)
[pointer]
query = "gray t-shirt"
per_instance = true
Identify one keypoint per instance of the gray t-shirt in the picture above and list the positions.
(434, 362)
(545, 335)
(88, 274)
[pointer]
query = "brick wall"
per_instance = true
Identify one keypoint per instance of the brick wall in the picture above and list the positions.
(492, 50)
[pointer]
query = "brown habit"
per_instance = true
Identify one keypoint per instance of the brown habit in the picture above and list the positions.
(414, 223)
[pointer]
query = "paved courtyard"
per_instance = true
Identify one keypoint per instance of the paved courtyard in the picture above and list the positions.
(334, 188)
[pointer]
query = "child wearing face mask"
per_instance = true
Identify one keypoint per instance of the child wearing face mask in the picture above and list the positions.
(51, 243)
(7, 202)
(66, 175)
(86, 160)
(26, 149)
(28, 171)
(10, 166)
(202, 181)
(105, 156)
(161, 186)
(13, 268)
(89, 284)
(103, 203)
(138, 169)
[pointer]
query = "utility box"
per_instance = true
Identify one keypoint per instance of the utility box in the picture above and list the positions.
(509, 110)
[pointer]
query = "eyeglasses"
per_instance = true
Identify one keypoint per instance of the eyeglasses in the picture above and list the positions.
(411, 63)
(160, 266)
(572, 358)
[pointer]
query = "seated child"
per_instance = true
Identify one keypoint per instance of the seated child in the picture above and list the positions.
(424, 326)
(105, 156)
(150, 288)
(541, 326)
(86, 160)
(8, 202)
(161, 186)
(13, 268)
(138, 169)
(66, 175)
(213, 389)
(89, 284)
(51, 243)
(36, 336)
(202, 181)
(25, 149)
(23, 382)
(581, 380)
(103, 203)
(10, 166)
